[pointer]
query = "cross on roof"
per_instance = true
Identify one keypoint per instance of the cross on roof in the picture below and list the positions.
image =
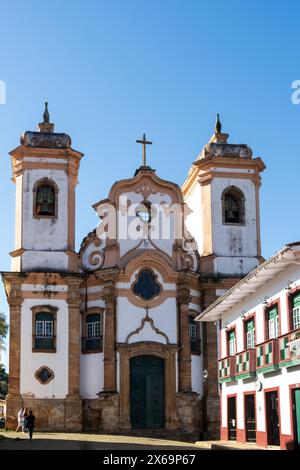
(144, 142)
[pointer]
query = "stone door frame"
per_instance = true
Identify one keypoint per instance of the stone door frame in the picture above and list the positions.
(148, 348)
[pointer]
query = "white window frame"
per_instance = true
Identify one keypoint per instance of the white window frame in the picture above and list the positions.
(39, 329)
(250, 337)
(273, 325)
(92, 329)
(232, 347)
(296, 318)
(48, 329)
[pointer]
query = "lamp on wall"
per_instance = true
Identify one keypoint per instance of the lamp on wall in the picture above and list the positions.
(225, 325)
(289, 286)
(243, 314)
(265, 301)
(205, 375)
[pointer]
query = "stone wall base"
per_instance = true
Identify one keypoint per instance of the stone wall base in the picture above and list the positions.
(213, 417)
(189, 410)
(51, 414)
(102, 415)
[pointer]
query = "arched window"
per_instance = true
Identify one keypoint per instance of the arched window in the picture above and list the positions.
(92, 341)
(45, 198)
(233, 206)
(44, 331)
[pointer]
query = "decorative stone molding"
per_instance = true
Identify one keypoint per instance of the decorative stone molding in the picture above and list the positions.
(44, 375)
(151, 322)
(48, 140)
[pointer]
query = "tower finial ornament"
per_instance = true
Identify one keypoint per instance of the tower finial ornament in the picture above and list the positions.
(218, 126)
(46, 125)
(144, 142)
(46, 113)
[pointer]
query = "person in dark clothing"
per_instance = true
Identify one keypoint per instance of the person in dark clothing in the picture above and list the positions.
(30, 423)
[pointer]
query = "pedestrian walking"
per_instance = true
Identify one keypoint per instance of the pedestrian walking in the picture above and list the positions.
(24, 416)
(20, 419)
(30, 419)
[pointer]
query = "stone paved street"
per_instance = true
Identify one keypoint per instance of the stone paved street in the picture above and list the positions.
(75, 441)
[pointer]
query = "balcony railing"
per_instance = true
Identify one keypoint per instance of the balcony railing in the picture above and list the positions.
(245, 364)
(91, 345)
(227, 369)
(44, 344)
(289, 349)
(267, 356)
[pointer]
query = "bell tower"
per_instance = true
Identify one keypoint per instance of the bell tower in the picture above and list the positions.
(45, 170)
(222, 194)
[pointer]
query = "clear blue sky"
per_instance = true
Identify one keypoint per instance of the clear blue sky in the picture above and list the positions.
(112, 70)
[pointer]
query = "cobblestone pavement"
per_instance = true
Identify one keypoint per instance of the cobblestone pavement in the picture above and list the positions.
(79, 441)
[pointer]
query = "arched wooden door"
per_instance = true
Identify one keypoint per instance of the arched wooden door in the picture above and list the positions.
(147, 392)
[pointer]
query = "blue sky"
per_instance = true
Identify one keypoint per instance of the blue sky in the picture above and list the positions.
(113, 70)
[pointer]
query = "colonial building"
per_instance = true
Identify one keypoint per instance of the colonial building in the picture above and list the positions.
(259, 350)
(105, 339)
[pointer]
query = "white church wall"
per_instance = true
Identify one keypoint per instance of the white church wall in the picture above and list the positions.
(91, 375)
(129, 318)
(18, 212)
(31, 361)
(42, 233)
(130, 237)
(38, 260)
(197, 374)
(231, 240)
(194, 219)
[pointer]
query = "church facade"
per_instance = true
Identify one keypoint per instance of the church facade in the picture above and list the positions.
(105, 339)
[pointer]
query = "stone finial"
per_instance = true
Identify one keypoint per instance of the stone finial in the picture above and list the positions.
(219, 137)
(46, 125)
(218, 126)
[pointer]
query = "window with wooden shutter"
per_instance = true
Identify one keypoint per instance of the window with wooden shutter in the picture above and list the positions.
(250, 333)
(273, 322)
(296, 311)
(231, 343)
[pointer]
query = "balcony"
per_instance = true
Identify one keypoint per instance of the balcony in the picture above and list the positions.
(267, 356)
(245, 364)
(289, 349)
(44, 344)
(91, 345)
(227, 369)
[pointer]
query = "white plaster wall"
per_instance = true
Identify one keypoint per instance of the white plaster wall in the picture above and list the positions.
(273, 289)
(18, 212)
(281, 379)
(234, 265)
(45, 234)
(57, 362)
(197, 374)
(91, 375)
(129, 237)
(129, 318)
(194, 220)
(231, 240)
(44, 260)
